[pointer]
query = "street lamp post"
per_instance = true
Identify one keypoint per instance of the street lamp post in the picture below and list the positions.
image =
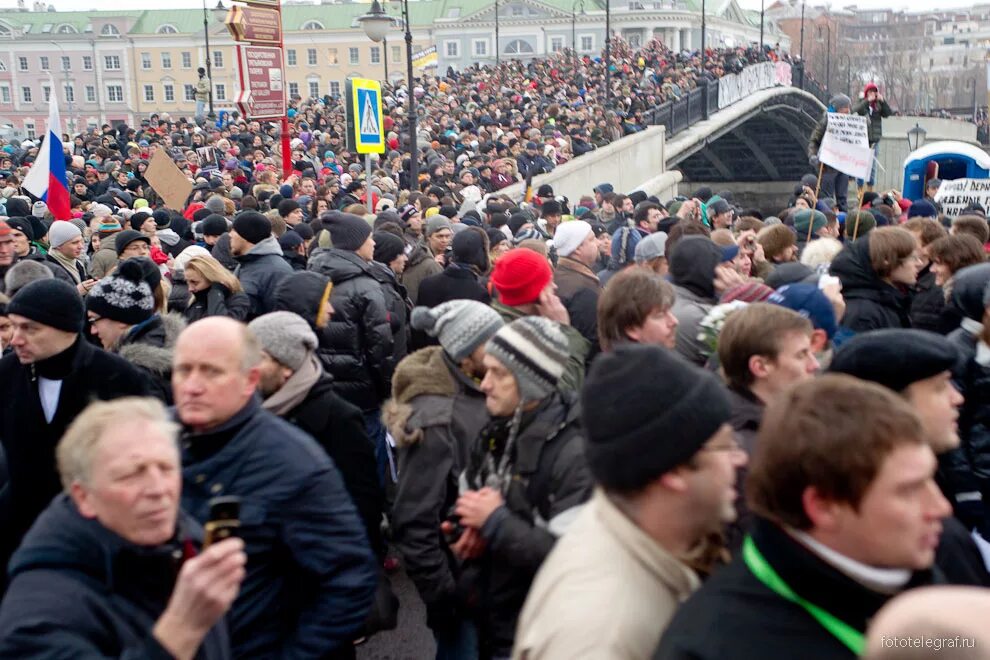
(916, 137)
(608, 51)
(703, 36)
(376, 24)
(801, 54)
(209, 56)
(574, 7)
(762, 22)
(498, 53)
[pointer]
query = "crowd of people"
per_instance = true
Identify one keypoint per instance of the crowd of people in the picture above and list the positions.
(610, 427)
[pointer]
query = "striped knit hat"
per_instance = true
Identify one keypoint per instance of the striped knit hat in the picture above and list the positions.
(460, 325)
(535, 350)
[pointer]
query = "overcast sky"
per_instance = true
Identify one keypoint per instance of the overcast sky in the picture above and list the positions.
(66, 5)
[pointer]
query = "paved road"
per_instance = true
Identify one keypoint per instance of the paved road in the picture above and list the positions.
(411, 640)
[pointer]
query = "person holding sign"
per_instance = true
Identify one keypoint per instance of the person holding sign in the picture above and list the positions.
(832, 182)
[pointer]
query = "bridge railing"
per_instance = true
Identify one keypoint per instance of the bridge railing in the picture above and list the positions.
(710, 97)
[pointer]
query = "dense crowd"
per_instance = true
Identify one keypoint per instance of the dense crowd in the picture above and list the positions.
(610, 427)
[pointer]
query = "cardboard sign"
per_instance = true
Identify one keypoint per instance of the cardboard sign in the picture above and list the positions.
(846, 146)
(168, 181)
(957, 194)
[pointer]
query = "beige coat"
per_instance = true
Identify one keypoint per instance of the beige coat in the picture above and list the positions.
(605, 592)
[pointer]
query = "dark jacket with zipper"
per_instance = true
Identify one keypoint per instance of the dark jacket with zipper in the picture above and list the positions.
(218, 301)
(311, 575)
(871, 303)
(399, 309)
(260, 271)
(927, 302)
(149, 346)
(734, 615)
(455, 282)
(357, 348)
(78, 590)
(29, 440)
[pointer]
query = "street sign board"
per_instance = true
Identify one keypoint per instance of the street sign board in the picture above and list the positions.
(275, 4)
(365, 133)
(262, 93)
(255, 24)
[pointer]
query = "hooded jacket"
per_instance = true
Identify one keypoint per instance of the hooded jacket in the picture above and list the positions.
(105, 258)
(260, 271)
(435, 413)
(149, 346)
(79, 590)
(218, 301)
(359, 346)
(871, 303)
(874, 113)
(692, 272)
(420, 265)
(399, 308)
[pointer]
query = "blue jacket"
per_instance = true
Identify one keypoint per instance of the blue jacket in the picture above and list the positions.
(311, 574)
(78, 590)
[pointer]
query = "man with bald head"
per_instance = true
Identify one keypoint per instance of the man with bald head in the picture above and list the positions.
(311, 574)
(932, 622)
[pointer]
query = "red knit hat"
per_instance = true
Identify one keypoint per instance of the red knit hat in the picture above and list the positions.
(520, 275)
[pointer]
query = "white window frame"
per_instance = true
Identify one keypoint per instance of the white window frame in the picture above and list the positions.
(90, 93)
(218, 59)
(87, 62)
(353, 56)
(148, 97)
(581, 38)
(220, 91)
(290, 57)
(145, 61)
(313, 93)
(111, 89)
(45, 63)
(375, 54)
(186, 59)
(166, 57)
(27, 94)
(66, 63)
(474, 47)
(30, 129)
(556, 44)
(111, 59)
(68, 93)
(456, 48)
(293, 89)
(334, 88)
(46, 93)
(189, 93)
(5, 96)
(22, 63)
(312, 58)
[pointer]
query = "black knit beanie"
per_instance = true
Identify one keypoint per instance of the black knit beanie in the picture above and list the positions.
(214, 225)
(630, 441)
(162, 218)
(252, 226)
(470, 248)
(123, 297)
(54, 303)
(388, 247)
(348, 231)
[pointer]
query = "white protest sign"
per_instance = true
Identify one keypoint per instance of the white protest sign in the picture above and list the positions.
(845, 145)
(957, 194)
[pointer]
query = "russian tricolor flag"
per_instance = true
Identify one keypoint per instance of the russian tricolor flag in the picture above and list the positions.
(47, 179)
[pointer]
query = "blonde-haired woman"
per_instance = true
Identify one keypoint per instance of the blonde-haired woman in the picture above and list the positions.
(215, 291)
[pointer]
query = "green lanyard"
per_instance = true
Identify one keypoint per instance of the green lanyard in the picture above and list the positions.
(764, 572)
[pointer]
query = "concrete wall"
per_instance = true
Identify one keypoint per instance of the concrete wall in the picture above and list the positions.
(894, 145)
(770, 197)
(634, 162)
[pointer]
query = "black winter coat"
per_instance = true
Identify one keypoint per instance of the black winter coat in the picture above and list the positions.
(310, 573)
(338, 427)
(178, 297)
(357, 346)
(218, 301)
(871, 303)
(29, 440)
(80, 591)
(971, 468)
(399, 309)
(927, 303)
(260, 271)
(455, 282)
(734, 615)
(149, 347)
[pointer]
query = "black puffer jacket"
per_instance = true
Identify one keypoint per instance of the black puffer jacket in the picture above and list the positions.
(149, 346)
(399, 308)
(871, 303)
(260, 271)
(359, 346)
(117, 591)
(218, 301)
(927, 302)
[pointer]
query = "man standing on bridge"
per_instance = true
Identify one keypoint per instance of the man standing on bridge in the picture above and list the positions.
(834, 183)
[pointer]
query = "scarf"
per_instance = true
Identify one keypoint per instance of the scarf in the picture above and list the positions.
(68, 264)
(296, 388)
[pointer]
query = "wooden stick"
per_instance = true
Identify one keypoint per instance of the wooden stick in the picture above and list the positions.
(818, 186)
(859, 209)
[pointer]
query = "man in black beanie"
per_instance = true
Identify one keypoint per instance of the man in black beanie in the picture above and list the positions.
(51, 376)
(360, 350)
(666, 480)
(214, 226)
(260, 264)
(461, 280)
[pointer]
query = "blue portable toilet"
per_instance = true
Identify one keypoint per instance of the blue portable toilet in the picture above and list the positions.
(945, 160)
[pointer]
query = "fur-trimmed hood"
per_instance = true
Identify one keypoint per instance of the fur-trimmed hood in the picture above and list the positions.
(155, 353)
(425, 373)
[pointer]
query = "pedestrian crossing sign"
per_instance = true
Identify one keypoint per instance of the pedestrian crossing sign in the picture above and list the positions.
(364, 116)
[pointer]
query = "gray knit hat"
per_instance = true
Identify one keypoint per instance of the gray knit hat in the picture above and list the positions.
(285, 336)
(435, 224)
(461, 325)
(535, 350)
(23, 273)
(62, 232)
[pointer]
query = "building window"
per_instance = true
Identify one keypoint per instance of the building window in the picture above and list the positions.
(293, 90)
(145, 61)
(556, 44)
(90, 94)
(26, 94)
(149, 93)
(189, 92)
(110, 31)
(166, 60)
(376, 54)
(115, 93)
(112, 62)
(334, 88)
(87, 63)
(634, 40)
(186, 59)
(22, 63)
(167, 29)
(587, 43)
(218, 59)
(480, 47)
(29, 129)
(314, 88)
(312, 25)
(220, 92)
(44, 63)
(332, 57)
(353, 56)
(517, 47)
(396, 53)
(452, 48)
(70, 93)
(66, 64)
(311, 56)
(46, 93)
(169, 90)
(518, 10)
(290, 57)
(4, 94)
